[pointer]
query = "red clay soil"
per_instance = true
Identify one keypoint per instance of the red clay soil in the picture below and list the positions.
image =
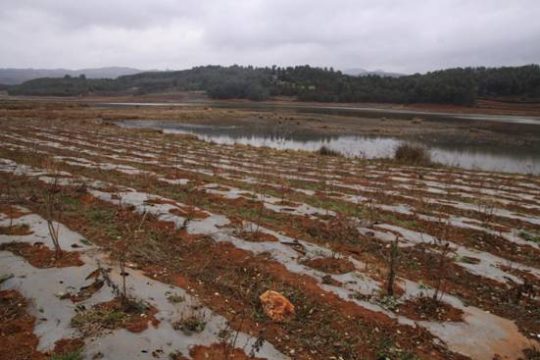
(310, 288)
(137, 323)
(179, 174)
(330, 265)
(66, 346)
(287, 203)
(225, 256)
(87, 198)
(227, 259)
(219, 351)
(526, 276)
(109, 189)
(12, 212)
(16, 230)
(17, 339)
(41, 256)
(257, 236)
(157, 201)
(328, 280)
(425, 308)
(237, 203)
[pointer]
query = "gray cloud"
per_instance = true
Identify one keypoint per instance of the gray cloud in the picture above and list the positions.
(404, 36)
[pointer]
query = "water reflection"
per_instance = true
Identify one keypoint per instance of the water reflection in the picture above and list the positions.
(482, 157)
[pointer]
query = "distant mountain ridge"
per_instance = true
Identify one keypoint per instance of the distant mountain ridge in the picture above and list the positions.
(364, 72)
(12, 76)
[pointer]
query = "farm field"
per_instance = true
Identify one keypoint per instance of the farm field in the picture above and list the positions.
(130, 243)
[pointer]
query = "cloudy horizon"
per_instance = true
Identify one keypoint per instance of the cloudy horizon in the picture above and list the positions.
(394, 36)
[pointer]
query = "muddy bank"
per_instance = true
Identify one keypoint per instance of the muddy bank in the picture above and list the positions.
(432, 129)
(433, 124)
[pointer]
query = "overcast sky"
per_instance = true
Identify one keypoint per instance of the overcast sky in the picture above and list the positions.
(403, 36)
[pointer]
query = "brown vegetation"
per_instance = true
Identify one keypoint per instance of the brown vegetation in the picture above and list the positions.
(412, 154)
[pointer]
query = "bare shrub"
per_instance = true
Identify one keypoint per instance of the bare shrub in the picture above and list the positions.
(393, 259)
(133, 235)
(439, 269)
(326, 151)
(193, 322)
(7, 194)
(53, 207)
(412, 154)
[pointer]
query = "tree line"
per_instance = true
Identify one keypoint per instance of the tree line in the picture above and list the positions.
(462, 86)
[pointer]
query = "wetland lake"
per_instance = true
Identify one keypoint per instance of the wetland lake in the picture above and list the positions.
(478, 156)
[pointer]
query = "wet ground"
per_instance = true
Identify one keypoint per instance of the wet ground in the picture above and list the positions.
(216, 225)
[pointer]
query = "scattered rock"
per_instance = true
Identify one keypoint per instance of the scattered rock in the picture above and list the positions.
(276, 306)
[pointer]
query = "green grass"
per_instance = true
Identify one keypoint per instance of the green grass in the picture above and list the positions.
(193, 324)
(393, 219)
(530, 237)
(389, 351)
(338, 206)
(92, 320)
(85, 242)
(104, 218)
(175, 298)
(70, 201)
(99, 216)
(75, 355)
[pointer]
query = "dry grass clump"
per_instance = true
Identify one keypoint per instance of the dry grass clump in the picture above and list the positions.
(326, 151)
(412, 154)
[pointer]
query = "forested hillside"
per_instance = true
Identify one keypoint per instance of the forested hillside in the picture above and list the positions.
(452, 86)
(14, 76)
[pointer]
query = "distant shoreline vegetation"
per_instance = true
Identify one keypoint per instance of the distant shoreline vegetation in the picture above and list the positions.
(459, 86)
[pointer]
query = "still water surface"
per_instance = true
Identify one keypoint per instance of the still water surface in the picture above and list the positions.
(482, 157)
